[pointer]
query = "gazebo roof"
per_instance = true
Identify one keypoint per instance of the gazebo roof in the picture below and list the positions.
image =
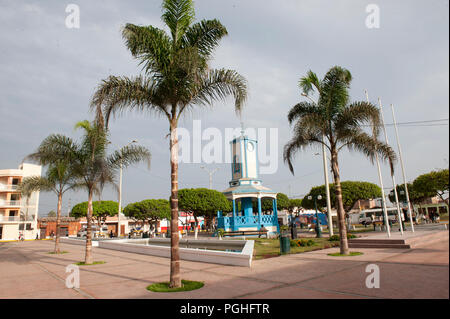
(249, 190)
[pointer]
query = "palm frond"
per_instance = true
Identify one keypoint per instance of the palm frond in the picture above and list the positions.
(33, 184)
(218, 85)
(150, 45)
(55, 147)
(301, 109)
(204, 35)
(119, 94)
(309, 82)
(369, 146)
(178, 16)
(129, 155)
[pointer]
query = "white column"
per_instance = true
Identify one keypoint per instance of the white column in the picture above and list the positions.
(383, 198)
(120, 200)
(403, 170)
(392, 174)
(327, 187)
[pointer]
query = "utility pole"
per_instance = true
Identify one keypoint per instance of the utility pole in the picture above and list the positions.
(383, 198)
(403, 170)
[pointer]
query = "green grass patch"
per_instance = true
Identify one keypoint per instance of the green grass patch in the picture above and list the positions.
(60, 253)
(352, 253)
(186, 285)
(267, 248)
(82, 263)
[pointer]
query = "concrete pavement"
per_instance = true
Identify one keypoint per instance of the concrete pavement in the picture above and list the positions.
(28, 271)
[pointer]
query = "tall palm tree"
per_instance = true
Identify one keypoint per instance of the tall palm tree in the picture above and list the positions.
(336, 123)
(91, 164)
(176, 78)
(59, 179)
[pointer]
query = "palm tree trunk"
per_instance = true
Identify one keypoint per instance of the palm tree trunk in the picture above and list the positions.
(339, 204)
(175, 276)
(58, 223)
(88, 256)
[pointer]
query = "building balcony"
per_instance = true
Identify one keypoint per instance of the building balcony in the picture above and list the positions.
(15, 219)
(9, 188)
(10, 203)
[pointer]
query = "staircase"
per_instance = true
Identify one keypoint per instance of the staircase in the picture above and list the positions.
(378, 243)
(410, 241)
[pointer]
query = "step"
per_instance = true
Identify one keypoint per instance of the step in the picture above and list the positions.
(377, 241)
(374, 245)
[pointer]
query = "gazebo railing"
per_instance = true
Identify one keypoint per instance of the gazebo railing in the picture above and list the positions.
(242, 221)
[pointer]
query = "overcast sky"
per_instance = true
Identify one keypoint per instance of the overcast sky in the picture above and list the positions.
(48, 74)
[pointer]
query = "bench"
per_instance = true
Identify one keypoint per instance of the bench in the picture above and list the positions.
(246, 233)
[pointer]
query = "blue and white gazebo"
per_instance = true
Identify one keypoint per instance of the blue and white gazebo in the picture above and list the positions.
(246, 187)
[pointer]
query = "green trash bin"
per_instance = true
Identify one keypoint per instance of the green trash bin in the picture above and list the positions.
(285, 244)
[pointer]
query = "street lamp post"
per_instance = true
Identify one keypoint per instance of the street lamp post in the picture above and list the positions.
(210, 174)
(120, 187)
(318, 231)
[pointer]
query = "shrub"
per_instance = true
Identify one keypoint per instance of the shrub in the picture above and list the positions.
(334, 238)
(337, 238)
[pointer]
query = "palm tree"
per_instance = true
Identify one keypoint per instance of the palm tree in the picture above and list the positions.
(176, 78)
(59, 179)
(91, 164)
(336, 123)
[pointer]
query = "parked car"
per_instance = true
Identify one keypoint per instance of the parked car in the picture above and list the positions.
(95, 232)
(365, 218)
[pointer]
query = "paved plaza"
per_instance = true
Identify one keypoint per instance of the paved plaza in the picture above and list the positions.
(27, 270)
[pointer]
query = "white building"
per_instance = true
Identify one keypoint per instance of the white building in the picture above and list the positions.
(18, 215)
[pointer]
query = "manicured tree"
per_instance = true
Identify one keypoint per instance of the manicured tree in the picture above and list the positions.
(149, 210)
(91, 164)
(336, 123)
(351, 192)
(435, 183)
(203, 202)
(267, 203)
(59, 178)
(51, 213)
(101, 210)
(176, 78)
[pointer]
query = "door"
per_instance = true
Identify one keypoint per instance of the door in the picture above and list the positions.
(122, 230)
(1, 232)
(43, 233)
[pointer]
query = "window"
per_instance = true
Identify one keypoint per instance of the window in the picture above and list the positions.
(15, 181)
(12, 213)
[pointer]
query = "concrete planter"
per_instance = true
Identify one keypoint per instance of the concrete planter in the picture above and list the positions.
(243, 258)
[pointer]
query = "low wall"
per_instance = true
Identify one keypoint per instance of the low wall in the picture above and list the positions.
(68, 240)
(243, 258)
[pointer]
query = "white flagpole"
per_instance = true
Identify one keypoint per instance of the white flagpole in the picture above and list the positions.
(383, 199)
(392, 175)
(403, 170)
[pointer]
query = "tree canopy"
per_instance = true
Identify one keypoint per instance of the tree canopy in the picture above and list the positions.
(414, 196)
(435, 183)
(266, 203)
(202, 201)
(150, 210)
(351, 192)
(101, 209)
